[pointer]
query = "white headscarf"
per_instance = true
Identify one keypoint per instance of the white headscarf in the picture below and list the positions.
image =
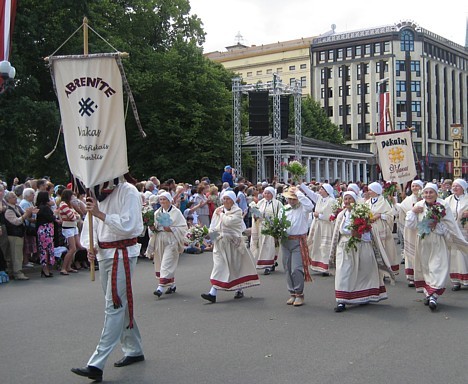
(328, 188)
(231, 195)
(375, 187)
(431, 186)
(167, 195)
(354, 187)
(350, 193)
(462, 183)
(271, 190)
(418, 182)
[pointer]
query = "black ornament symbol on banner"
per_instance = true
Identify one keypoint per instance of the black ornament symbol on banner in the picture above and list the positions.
(86, 106)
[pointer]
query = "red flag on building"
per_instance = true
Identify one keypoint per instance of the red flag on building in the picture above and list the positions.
(7, 20)
(384, 105)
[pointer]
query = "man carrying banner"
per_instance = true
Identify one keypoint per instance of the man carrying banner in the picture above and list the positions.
(116, 229)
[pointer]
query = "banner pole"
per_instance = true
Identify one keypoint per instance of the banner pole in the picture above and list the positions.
(90, 215)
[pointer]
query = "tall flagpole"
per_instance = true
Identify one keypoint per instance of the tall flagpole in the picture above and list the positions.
(90, 215)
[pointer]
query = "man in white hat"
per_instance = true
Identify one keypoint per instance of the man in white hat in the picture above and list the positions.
(458, 203)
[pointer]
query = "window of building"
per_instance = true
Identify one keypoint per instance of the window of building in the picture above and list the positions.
(279, 70)
(269, 71)
(346, 109)
(322, 56)
(322, 93)
(400, 86)
(416, 87)
(407, 40)
(303, 66)
(347, 132)
(292, 67)
(303, 81)
(417, 128)
(400, 107)
(400, 125)
(339, 53)
(330, 92)
(363, 108)
(292, 81)
(416, 108)
(340, 112)
(387, 47)
(349, 52)
(377, 47)
(347, 91)
(259, 73)
(416, 67)
(358, 51)
(340, 91)
(400, 66)
(364, 147)
(381, 87)
(367, 49)
(331, 55)
(379, 65)
(358, 72)
(330, 111)
(249, 74)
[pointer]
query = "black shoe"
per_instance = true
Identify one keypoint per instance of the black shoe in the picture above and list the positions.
(426, 300)
(170, 290)
(411, 284)
(456, 288)
(157, 293)
(340, 308)
(128, 360)
(239, 295)
(43, 274)
(432, 304)
(266, 271)
(90, 372)
(325, 274)
(274, 267)
(209, 297)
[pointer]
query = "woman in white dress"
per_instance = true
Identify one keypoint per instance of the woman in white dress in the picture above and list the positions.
(233, 265)
(458, 203)
(263, 247)
(357, 276)
(432, 256)
(168, 243)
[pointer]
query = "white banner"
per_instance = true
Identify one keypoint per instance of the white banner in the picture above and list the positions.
(396, 157)
(89, 90)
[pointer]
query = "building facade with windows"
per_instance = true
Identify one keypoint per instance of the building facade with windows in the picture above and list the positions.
(425, 75)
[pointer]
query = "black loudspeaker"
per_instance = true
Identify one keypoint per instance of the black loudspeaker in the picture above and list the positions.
(284, 109)
(259, 123)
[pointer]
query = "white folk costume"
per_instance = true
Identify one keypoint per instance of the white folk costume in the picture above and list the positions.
(359, 273)
(233, 265)
(384, 225)
(321, 231)
(168, 245)
(294, 251)
(459, 259)
(262, 246)
(117, 253)
(409, 234)
(431, 261)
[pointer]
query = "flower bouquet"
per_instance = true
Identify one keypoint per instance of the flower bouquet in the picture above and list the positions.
(337, 207)
(361, 216)
(196, 234)
(255, 212)
(435, 213)
(296, 169)
(276, 227)
(389, 191)
(148, 217)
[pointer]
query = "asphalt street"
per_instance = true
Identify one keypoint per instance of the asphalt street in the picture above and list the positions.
(51, 325)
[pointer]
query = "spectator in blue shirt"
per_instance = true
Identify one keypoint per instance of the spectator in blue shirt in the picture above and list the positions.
(227, 176)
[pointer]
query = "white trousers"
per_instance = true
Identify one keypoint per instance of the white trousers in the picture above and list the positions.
(116, 320)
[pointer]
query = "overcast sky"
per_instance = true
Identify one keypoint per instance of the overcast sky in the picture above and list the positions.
(268, 21)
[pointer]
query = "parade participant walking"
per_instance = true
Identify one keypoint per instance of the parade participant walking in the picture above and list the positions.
(321, 230)
(382, 222)
(409, 234)
(264, 247)
(294, 250)
(437, 231)
(168, 243)
(117, 223)
(458, 203)
(233, 266)
(357, 277)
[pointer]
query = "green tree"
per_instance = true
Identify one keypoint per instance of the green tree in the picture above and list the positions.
(316, 124)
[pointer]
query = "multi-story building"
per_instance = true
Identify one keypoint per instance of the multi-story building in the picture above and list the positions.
(425, 75)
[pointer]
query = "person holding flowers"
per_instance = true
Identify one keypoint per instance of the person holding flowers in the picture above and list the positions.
(263, 246)
(233, 266)
(382, 222)
(458, 203)
(296, 261)
(357, 255)
(168, 243)
(437, 232)
(321, 230)
(409, 234)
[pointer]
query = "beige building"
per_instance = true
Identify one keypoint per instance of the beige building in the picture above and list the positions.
(425, 74)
